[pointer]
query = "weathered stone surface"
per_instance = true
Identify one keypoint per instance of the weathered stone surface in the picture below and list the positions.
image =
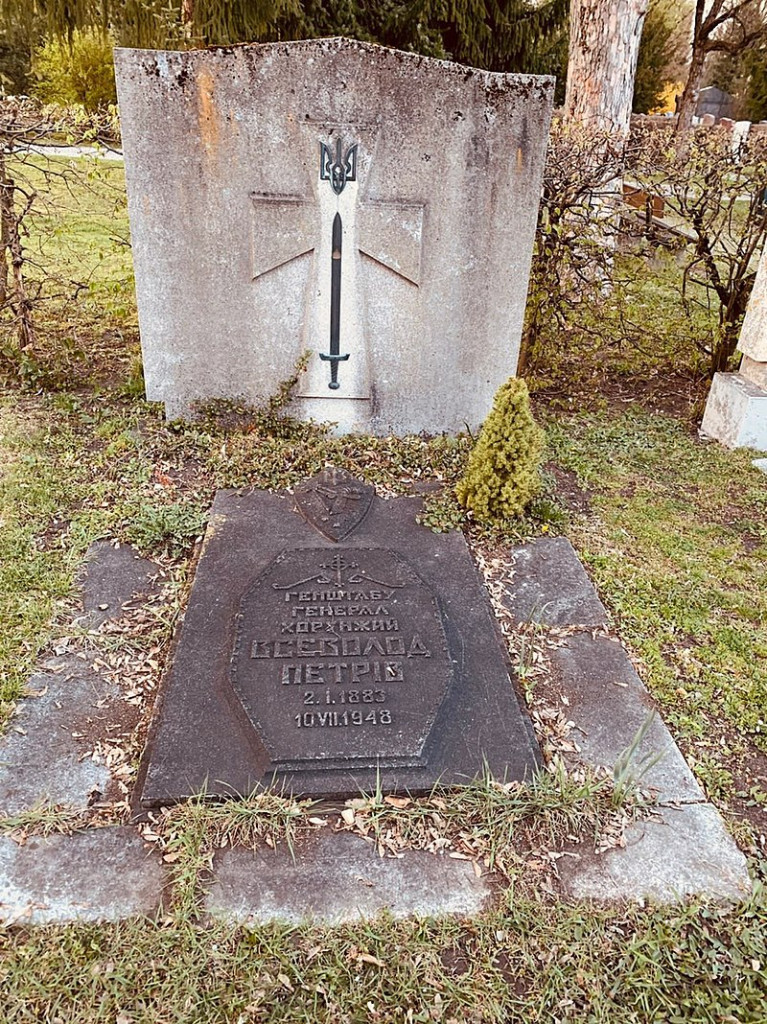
(113, 575)
(333, 668)
(338, 878)
(682, 851)
(754, 371)
(437, 207)
(753, 333)
(101, 874)
(41, 752)
(550, 586)
(736, 412)
(608, 704)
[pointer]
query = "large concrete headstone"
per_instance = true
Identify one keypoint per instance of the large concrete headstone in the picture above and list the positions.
(332, 645)
(372, 207)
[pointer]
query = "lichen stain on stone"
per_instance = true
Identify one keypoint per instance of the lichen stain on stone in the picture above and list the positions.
(215, 525)
(208, 114)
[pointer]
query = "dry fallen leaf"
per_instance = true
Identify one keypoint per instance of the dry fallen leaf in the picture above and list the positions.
(368, 958)
(397, 801)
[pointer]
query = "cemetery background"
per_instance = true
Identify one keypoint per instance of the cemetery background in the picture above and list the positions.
(672, 533)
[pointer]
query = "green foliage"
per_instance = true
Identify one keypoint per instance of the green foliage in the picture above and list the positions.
(503, 474)
(79, 70)
(172, 526)
(655, 54)
(503, 35)
(755, 104)
(17, 43)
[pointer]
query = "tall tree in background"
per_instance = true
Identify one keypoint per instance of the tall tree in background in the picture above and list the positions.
(604, 47)
(154, 22)
(655, 54)
(719, 26)
(503, 35)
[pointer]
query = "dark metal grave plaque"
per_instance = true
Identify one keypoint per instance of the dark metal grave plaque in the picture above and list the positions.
(328, 668)
(346, 648)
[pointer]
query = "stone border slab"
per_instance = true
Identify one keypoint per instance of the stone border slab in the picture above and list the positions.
(103, 874)
(111, 577)
(336, 878)
(683, 851)
(551, 586)
(608, 705)
(41, 753)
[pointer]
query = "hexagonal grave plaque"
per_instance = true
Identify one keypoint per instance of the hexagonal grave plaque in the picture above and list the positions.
(341, 656)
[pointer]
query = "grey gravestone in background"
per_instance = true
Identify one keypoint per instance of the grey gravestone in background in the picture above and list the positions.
(332, 645)
(338, 197)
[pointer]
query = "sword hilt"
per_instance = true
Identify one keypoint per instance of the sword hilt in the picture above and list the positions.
(334, 359)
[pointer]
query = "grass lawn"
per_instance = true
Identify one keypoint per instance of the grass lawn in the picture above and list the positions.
(673, 533)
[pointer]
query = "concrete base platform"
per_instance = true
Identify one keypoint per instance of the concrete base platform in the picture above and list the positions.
(736, 413)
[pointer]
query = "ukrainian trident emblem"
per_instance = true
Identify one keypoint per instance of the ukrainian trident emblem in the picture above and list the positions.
(337, 169)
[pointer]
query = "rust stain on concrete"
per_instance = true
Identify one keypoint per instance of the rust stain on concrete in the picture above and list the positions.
(208, 115)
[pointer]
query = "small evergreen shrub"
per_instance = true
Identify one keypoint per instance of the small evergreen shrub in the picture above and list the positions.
(503, 474)
(77, 71)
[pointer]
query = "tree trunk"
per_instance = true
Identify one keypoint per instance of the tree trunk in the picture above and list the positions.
(6, 214)
(604, 47)
(18, 300)
(689, 98)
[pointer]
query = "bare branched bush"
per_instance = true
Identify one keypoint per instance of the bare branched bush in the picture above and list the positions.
(718, 204)
(574, 245)
(33, 181)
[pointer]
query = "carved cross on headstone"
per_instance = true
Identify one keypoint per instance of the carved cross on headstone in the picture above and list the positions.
(334, 226)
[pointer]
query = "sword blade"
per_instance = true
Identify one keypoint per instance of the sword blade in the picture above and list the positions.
(334, 357)
(335, 301)
(335, 287)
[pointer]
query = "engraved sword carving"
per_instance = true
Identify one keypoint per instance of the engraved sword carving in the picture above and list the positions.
(337, 169)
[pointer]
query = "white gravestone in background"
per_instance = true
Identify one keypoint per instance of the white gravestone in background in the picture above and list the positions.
(736, 409)
(372, 207)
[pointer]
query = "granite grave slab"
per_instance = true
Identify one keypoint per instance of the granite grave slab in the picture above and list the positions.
(371, 207)
(331, 645)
